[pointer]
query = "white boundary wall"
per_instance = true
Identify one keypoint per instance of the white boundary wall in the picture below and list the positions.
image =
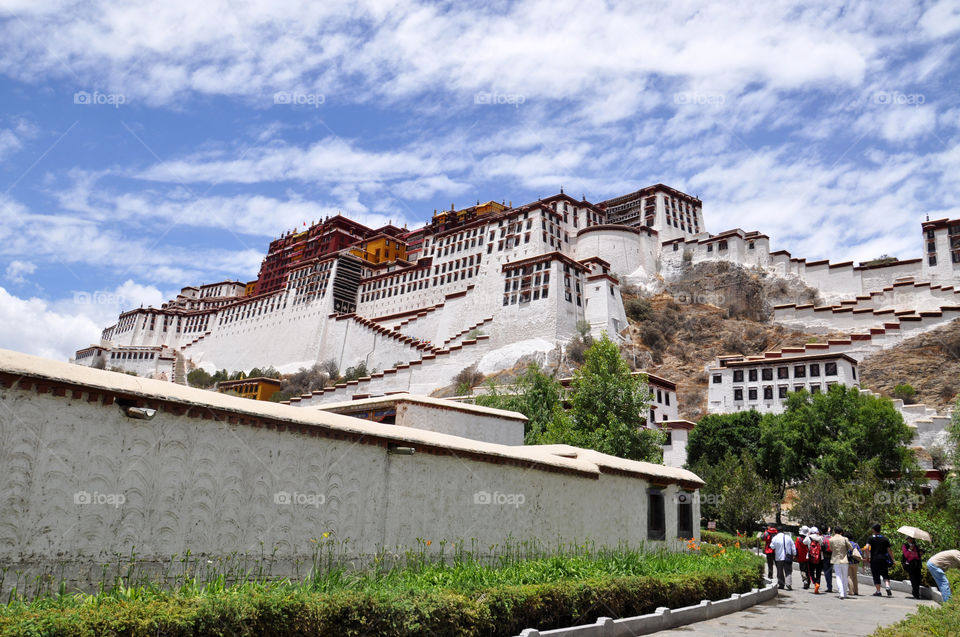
(216, 474)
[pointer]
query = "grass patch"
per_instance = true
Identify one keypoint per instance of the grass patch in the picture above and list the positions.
(419, 594)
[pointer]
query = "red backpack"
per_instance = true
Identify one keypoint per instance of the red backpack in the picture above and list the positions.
(814, 551)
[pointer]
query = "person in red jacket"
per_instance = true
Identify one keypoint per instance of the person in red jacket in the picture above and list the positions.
(768, 536)
(802, 559)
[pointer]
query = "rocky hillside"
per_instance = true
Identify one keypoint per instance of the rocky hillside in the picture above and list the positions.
(930, 363)
(716, 309)
(713, 309)
(678, 341)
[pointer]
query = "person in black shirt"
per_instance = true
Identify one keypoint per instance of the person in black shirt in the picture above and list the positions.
(880, 555)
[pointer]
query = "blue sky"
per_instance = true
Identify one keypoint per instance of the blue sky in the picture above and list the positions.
(145, 146)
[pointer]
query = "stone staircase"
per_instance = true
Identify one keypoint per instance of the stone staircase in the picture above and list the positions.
(195, 341)
(907, 294)
(906, 323)
(432, 369)
(389, 332)
(476, 326)
(929, 426)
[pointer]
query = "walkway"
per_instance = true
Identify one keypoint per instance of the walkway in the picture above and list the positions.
(800, 613)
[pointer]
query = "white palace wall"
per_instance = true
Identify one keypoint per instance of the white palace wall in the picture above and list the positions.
(215, 474)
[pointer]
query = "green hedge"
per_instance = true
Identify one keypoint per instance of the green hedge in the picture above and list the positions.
(274, 613)
(728, 539)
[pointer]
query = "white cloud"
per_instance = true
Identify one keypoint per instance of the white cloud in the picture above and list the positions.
(400, 49)
(57, 329)
(942, 19)
(73, 242)
(330, 160)
(16, 270)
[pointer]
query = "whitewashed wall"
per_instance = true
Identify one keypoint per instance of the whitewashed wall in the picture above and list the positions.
(216, 474)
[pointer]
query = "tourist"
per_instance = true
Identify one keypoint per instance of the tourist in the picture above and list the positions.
(854, 557)
(938, 564)
(879, 553)
(814, 544)
(784, 551)
(768, 536)
(827, 560)
(802, 563)
(839, 546)
(912, 564)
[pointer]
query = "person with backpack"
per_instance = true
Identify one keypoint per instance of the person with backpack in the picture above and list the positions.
(768, 536)
(784, 551)
(814, 544)
(880, 556)
(802, 562)
(839, 547)
(912, 558)
(827, 560)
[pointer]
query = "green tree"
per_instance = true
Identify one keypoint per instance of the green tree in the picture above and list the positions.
(718, 435)
(854, 503)
(534, 394)
(838, 430)
(608, 408)
(200, 378)
(734, 493)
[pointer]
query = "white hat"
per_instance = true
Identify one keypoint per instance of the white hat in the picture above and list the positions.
(804, 530)
(814, 530)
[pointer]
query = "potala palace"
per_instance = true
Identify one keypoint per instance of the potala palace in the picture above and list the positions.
(486, 284)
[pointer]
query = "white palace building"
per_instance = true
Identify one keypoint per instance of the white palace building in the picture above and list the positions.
(486, 284)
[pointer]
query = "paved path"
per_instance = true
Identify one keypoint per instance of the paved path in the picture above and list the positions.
(800, 613)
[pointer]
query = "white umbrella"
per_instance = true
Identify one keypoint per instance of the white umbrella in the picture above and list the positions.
(914, 532)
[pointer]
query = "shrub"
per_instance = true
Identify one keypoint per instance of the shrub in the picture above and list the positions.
(638, 309)
(466, 379)
(357, 371)
(906, 393)
(279, 610)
